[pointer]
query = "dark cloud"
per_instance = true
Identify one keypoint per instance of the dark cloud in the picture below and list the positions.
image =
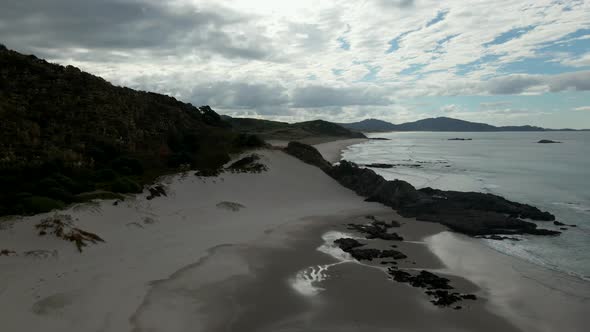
(397, 3)
(126, 25)
(517, 84)
(514, 84)
(321, 96)
(579, 81)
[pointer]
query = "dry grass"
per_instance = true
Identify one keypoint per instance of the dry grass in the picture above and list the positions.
(63, 227)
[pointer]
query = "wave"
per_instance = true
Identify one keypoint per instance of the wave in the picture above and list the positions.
(520, 251)
(579, 207)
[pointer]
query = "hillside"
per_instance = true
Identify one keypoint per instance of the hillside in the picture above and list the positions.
(444, 124)
(437, 124)
(370, 125)
(64, 132)
(285, 131)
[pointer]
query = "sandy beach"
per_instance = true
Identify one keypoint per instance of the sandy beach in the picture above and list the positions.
(255, 252)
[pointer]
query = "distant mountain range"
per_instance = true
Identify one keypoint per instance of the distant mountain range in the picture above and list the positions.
(276, 130)
(436, 124)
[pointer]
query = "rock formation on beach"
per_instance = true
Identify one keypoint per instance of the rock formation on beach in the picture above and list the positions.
(470, 213)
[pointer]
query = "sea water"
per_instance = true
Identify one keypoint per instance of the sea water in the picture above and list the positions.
(552, 177)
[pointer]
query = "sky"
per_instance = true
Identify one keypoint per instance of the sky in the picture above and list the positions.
(500, 62)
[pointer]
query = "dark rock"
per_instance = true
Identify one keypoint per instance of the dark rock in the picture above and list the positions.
(346, 244)
(443, 298)
(376, 230)
(307, 154)
(6, 252)
(470, 213)
(498, 237)
(460, 139)
(541, 231)
(547, 141)
(436, 287)
(564, 228)
(248, 164)
(394, 254)
(382, 165)
(400, 276)
(379, 139)
(430, 280)
(378, 165)
(156, 191)
(350, 246)
(557, 223)
(365, 254)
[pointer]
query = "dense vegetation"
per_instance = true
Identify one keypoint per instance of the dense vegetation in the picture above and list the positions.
(66, 136)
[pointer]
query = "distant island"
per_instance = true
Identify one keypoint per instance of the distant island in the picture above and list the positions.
(437, 124)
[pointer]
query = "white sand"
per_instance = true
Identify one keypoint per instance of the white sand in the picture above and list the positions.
(102, 288)
(532, 297)
(332, 151)
(136, 280)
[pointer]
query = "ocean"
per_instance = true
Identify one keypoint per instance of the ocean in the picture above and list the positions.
(552, 177)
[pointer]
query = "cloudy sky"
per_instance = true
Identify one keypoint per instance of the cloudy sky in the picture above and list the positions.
(500, 62)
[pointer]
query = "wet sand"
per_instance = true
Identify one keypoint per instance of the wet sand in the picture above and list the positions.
(353, 297)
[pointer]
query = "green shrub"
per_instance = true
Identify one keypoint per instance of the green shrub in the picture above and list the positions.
(180, 158)
(65, 181)
(211, 160)
(59, 193)
(125, 185)
(127, 166)
(248, 141)
(106, 174)
(47, 183)
(40, 204)
(98, 195)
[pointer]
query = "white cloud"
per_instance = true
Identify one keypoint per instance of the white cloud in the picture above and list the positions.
(257, 56)
(581, 61)
(582, 108)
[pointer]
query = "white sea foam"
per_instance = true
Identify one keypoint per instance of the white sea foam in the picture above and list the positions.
(306, 282)
(330, 248)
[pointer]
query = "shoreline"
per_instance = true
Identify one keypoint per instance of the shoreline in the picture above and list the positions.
(162, 256)
(532, 283)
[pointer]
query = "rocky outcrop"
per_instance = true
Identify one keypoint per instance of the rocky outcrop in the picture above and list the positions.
(470, 213)
(377, 230)
(308, 154)
(351, 246)
(248, 164)
(436, 287)
(547, 141)
(156, 191)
